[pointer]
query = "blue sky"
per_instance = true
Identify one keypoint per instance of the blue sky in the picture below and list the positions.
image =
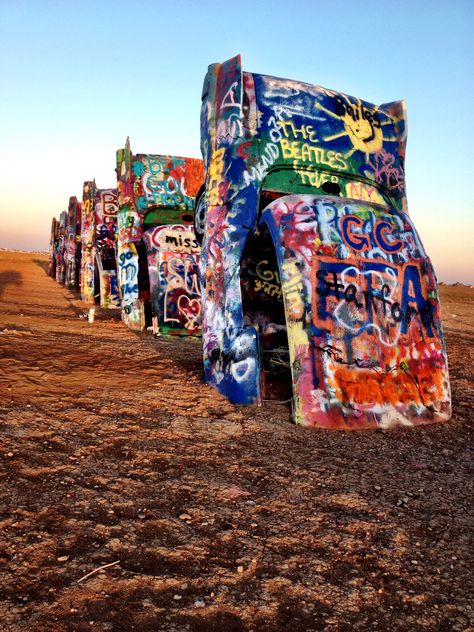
(78, 77)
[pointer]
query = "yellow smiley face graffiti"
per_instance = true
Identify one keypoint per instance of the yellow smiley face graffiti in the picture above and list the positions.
(363, 126)
(363, 134)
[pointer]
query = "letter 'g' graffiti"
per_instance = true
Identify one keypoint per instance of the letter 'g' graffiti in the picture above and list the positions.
(361, 241)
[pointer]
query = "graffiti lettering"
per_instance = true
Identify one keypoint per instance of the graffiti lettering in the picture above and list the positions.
(269, 288)
(313, 178)
(357, 112)
(125, 256)
(229, 126)
(305, 131)
(366, 192)
(180, 242)
(362, 241)
(266, 274)
(269, 156)
(295, 150)
(181, 273)
(161, 181)
(109, 204)
(215, 176)
(128, 269)
(374, 290)
(386, 171)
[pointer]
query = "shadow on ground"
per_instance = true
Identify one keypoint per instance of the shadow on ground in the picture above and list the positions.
(42, 263)
(9, 277)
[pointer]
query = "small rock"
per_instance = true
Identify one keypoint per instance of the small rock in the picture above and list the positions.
(177, 597)
(377, 488)
(199, 603)
(240, 569)
(63, 558)
(185, 516)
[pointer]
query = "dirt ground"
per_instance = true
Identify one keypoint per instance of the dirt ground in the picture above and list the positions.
(208, 516)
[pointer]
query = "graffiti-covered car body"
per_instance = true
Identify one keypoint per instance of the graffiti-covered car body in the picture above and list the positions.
(173, 265)
(99, 248)
(314, 181)
(65, 246)
(72, 245)
(157, 250)
(53, 247)
(60, 248)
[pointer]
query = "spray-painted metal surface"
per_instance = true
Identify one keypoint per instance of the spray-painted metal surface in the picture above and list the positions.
(65, 250)
(60, 248)
(173, 266)
(53, 247)
(72, 245)
(99, 251)
(88, 242)
(156, 190)
(305, 197)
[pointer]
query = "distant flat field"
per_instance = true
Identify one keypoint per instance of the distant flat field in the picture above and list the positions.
(208, 516)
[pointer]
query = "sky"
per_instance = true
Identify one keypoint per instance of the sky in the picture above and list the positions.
(77, 78)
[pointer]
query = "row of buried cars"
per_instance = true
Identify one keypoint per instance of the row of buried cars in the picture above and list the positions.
(133, 247)
(289, 249)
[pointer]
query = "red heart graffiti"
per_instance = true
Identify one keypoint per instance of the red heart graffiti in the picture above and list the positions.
(191, 308)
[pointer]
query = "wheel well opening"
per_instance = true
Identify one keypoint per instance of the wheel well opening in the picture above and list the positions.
(263, 309)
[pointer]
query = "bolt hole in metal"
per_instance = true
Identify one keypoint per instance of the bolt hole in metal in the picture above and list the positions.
(331, 188)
